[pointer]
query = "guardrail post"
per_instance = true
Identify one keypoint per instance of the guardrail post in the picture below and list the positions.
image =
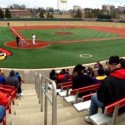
(41, 85)
(115, 114)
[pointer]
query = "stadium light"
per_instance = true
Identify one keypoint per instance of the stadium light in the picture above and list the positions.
(58, 6)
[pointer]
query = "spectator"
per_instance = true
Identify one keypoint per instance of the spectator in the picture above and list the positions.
(2, 112)
(68, 75)
(62, 77)
(98, 65)
(19, 90)
(90, 71)
(100, 77)
(111, 90)
(80, 79)
(2, 80)
(3, 74)
(52, 75)
(122, 62)
(2, 77)
(106, 68)
(12, 80)
(78, 70)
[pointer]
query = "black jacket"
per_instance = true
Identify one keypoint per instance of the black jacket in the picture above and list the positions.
(113, 87)
(81, 81)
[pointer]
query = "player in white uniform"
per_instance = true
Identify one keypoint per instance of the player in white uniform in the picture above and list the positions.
(33, 39)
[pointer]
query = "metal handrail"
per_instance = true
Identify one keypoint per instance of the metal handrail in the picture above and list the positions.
(41, 85)
(37, 84)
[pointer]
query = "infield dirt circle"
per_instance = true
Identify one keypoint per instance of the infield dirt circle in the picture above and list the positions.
(39, 44)
(29, 45)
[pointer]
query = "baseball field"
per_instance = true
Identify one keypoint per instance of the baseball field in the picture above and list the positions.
(60, 44)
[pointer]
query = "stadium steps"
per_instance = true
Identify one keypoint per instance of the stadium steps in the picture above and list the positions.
(27, 111)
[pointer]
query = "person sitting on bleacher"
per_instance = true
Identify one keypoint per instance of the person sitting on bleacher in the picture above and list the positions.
(2, 112)
(19, 90)
(90, 71)
(2, 77)
(12, 80)
(52, 75)
(2, 80)
(97, 65)
(106, 68)
(100, 77)
(111, 90)
(122, 63)
(62, 77)
(80, 78)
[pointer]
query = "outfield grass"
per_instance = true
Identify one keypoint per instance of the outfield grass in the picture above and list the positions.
(50, 35)
(59, 55)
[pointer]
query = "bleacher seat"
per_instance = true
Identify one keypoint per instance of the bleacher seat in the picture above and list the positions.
(110, 114)
(74, 93)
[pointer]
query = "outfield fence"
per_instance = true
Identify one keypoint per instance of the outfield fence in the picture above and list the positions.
(63, 19)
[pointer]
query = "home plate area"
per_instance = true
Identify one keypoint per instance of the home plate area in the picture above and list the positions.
(27, 45)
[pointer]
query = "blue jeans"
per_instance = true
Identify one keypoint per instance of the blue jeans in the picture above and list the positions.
(2, 112)
(95, 104)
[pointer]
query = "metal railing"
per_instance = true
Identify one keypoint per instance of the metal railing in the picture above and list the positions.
(42, 88)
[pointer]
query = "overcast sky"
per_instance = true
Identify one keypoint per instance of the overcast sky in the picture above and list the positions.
(70, 3)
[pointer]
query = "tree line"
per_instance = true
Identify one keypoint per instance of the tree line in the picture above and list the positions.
(79, 13)
(5, 14)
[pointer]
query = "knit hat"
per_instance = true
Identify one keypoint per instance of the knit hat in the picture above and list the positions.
(114, 60)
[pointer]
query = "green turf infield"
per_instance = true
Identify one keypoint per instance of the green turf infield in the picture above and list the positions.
(51, 35)
(59, 55)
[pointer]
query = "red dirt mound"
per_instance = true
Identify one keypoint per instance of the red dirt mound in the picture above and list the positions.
(63, 33)
(39, 44)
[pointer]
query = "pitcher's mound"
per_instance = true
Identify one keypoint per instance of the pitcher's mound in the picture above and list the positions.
(63, 33)
(29, 45)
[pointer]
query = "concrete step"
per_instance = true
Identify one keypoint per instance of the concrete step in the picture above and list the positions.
(29, 94)
(28, 87)
(74, 121)
(64, 115)
(9, 119)
(30, 119)
(27, 110)
(29, 99)
(29, 91)
(25, 105)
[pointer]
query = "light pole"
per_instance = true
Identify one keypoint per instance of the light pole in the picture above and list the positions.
(64, 2)
(57, 6)
(124, 14)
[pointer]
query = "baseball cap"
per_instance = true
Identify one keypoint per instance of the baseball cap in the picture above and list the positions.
(114, 60)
